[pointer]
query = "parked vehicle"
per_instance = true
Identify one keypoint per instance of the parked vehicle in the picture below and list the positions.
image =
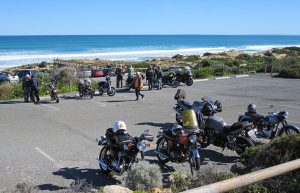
(23, 73)
(119, 159)
(53, 92)
(7, 77)
(105, 86)
(184, 75)
(267, 127)
(103, 72)
(180, 144)
(170, 79)
(85, 89)
(215, 130)
(85, 72)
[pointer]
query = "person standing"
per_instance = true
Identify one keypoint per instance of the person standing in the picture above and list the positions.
(159, 78)
(119, 73)
(26, 87)
(150, 77)
(138, 85)
(130, 73)
(34, 88)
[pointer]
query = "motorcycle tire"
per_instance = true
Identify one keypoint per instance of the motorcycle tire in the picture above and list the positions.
(179, 120)
(189, 82)
(175, 84)
(56, 98)
(243, 143)
(91, 95)
(100, 92)
(81, 94)
(194, 164)
(288, 131)
(111, 92)
(160, 142)
(102, 156)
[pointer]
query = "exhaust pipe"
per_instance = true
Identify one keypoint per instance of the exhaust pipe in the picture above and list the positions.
(161, 154)
(104, 165)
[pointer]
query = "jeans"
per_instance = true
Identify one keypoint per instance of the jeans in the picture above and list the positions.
(159, 81)
(26, 93)
(138, 93)
(150, 83)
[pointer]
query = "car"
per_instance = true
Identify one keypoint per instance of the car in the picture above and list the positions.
(85, 72)
(109, 71)
(97, 73)
(23, 73)
(7, 77)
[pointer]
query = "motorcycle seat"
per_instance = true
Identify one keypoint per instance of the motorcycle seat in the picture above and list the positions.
(255, 116)
(185, 103)
(235, 126)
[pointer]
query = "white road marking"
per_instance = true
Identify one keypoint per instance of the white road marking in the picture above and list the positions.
(45, 154)
(51, 107)
(221, 78)
(240, 76)
(201, 80)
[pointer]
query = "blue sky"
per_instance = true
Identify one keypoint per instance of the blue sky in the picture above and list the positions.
(63, 17)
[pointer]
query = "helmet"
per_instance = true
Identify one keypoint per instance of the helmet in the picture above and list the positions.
(207, 109)
(119, 125)
(251, 108)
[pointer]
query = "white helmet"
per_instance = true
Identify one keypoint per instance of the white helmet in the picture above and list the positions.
(119, 125)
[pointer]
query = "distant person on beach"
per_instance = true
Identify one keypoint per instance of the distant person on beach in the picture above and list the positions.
(138, 85)
(34, 91)
(159, 76)
(26, 87)
(150, 77)
(119, 74)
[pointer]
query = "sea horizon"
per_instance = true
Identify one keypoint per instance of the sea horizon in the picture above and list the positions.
(16, 50)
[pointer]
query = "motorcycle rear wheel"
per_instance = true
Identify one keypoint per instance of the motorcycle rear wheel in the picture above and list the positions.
(162, 147)
(103, 157)
(189, 82)
(56, 98)
(175, 84)
(243, 143)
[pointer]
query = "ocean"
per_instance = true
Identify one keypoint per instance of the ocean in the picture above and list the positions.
(20, 50)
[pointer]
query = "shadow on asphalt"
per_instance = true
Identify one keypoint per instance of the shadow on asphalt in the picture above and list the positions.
(50, 187)
(11, 102)
(161, 125)
(120, 101)
(215, 156)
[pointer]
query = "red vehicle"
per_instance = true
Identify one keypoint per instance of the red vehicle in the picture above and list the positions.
(98, 73)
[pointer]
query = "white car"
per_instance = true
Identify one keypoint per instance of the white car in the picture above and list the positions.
(7, 77)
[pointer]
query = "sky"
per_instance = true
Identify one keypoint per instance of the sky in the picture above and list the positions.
(110, 17)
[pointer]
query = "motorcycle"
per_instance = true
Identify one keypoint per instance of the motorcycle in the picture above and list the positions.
(185, 77)
(84, 89)
(214, 128)
(105, 86)
(53, 92)
(268, 127)
(170, 80)
(122, 159)
(179, 145)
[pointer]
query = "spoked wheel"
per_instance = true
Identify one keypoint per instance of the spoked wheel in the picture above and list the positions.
(175, 84)
(91, 95)
(56, 98)
(104, 157)
(243, 143)
(111, 91)
(288, 131)
(162, 147)
(189, 82)
(194, 164)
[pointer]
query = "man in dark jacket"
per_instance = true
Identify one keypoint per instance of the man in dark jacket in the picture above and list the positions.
(150, 77)
(34, 88)
(160, 74)
(119, 74)
(26, 87)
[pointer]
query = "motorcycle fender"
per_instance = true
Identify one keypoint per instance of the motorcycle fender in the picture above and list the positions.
(289, 127)
(195, 153)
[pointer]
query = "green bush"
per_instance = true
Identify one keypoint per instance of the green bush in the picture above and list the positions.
(143, 176)
(192, 58)
(179, 182)
(202, 72)
(243, 57)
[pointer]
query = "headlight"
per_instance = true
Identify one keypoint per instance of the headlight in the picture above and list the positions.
(141, 145)
(193, 138)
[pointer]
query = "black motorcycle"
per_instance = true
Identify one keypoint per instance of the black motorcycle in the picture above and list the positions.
(120, 159)
(215, 130)
(105, 86)
(170, 80)
(179, 144)
(185, 77)
(85, 89)
(269, 126)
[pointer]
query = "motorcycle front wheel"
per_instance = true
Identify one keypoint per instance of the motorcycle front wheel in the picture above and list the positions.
(243, 143)
(56, 98)
(194, 164)
(103, 156)
(189, 82)
(175, 84)
(111, 92)
(162, 147)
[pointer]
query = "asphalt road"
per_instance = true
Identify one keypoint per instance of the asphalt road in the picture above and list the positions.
(50, 145)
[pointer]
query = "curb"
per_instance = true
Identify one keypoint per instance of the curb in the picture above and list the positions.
(201, 80)
(221, 78)
(240, 76)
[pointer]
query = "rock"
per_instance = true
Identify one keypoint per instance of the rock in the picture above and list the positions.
(237, 167)
(116, 189)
